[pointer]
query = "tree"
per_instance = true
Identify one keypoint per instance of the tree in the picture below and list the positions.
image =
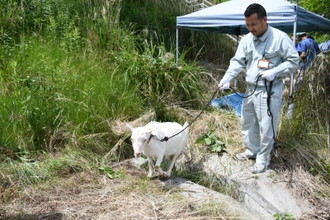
(321, 7)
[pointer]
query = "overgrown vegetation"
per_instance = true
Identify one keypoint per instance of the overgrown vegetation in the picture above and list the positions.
(68, 68)
(157, 18)
(307, 133)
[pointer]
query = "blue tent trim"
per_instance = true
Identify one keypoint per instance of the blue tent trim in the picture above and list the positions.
(232, 102)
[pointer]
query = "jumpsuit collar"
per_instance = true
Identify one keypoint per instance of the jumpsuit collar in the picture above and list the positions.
(264, 36)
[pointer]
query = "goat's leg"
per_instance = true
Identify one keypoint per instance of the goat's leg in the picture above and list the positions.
(151, 167)
(157, 165)
(170, 167)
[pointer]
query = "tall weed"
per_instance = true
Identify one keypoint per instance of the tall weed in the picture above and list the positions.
(160, 81)
(53, 97)
(313, 99)
(308, 131)
(45, 89)
(70, 67)
(159, 18)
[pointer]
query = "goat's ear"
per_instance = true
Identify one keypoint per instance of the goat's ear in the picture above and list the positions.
(129, 126)
(155, 133)
(153, 129)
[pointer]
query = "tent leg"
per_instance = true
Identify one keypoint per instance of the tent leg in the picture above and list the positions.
(294, 42)
(236, 82)
(291, 104)
(177, 46)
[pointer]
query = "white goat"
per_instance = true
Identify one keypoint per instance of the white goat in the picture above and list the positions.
(146, 140)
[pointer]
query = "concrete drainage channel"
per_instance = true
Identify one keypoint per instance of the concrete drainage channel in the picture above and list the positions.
(259, 196)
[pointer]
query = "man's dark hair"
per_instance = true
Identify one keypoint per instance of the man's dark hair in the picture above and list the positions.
(255, 8)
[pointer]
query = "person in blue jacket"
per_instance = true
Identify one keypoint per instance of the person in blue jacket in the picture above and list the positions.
(307, 49)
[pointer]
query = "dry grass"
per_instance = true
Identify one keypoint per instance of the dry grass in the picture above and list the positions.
(225, 125)
(93, 196)
(307, 187)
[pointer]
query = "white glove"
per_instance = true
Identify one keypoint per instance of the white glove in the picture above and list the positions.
(269, 75)
(224, 84)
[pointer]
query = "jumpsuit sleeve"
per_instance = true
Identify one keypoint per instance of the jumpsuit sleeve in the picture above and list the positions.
(289, 57)
(237, 63)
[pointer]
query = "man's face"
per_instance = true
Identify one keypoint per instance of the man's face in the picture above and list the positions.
(256, 26)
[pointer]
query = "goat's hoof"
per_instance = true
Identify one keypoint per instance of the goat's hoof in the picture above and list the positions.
(164, 176)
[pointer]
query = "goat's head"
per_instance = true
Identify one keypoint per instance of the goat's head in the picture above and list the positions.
(139, 138)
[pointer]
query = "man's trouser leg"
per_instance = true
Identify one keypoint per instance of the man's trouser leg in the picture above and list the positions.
(268, 123)
(250, 127)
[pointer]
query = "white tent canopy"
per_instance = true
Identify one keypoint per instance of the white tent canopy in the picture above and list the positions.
(228, 17)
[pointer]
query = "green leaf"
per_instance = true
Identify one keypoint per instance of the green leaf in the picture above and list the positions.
(216, 148)
(208, 141)
(110, 172)
(214, 143)
(201, 140)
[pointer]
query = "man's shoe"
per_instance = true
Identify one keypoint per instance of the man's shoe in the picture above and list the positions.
(259, 169)
(243, 156)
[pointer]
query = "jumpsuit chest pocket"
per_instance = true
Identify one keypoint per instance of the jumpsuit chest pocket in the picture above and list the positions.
(271, 55)
(273, 58)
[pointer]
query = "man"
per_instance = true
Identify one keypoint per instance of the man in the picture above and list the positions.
(268, 56)
(307, 49)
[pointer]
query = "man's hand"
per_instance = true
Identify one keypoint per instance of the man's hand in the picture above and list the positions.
(224, 84)
(269, 75)
(303, 56)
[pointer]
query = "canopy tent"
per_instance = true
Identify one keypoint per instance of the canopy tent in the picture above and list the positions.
(228, 17)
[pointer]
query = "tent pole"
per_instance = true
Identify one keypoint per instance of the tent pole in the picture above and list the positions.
(291, 105)
(294, 42)
(176, 46)
(236, 80)
(237, 39)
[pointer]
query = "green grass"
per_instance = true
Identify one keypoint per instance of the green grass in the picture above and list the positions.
(46, 88)
(69, 69)
(27, 170)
